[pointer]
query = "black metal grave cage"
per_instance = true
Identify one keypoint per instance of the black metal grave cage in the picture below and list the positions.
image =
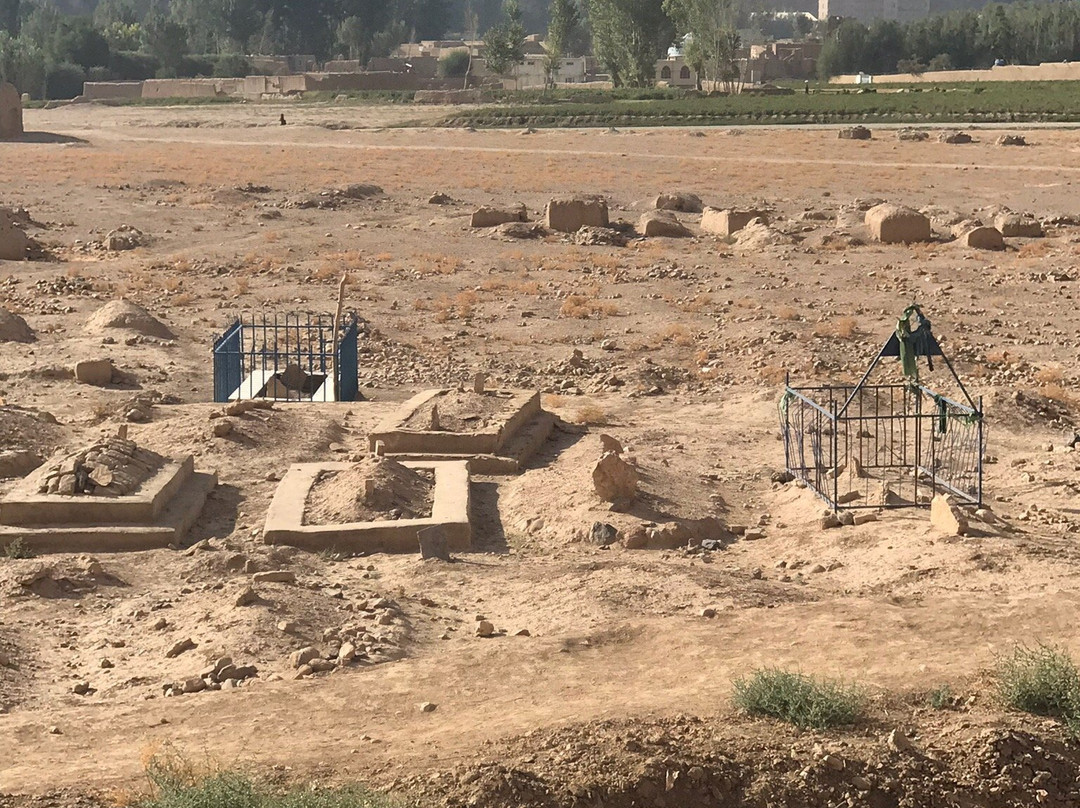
(288, 357)
(887, 445)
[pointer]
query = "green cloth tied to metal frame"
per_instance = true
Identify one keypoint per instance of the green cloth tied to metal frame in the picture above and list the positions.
(914, 343)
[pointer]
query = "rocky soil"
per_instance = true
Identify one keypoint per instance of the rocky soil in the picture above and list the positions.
(582, 653)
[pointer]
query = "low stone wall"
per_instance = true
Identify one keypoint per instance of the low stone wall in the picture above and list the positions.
(106, 90)
(1047, 71)
(403, 82)
(257, 87)
(191, 88)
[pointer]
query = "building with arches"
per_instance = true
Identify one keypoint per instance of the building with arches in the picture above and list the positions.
(675, 72)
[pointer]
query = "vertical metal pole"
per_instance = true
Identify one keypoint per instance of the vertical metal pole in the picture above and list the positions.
(918, 442)
(979, 452)
(787, 422)
(835, 457)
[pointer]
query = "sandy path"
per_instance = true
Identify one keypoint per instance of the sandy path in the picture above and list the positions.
(498, 688)
(622, 150)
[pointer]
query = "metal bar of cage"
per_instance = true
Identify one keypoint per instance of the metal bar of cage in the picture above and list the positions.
(882, 433)
(251, 356)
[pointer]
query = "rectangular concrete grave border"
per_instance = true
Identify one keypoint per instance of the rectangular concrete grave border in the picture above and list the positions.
(500, 449)
(450, 510)
(24, 505)
(159, 515)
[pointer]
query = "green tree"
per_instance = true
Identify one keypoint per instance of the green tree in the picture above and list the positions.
(940, 62)
(353, 38)
(204, 21)
(999, 33)
(241, 19)
(564, 19)
(167, 41)
(628, 36)
(455, 64)
(78, 42)
(23, 64)
(844, 50)
(708, 28)
(41, 26)
(803, 26)
(9, 16)
(122, 36)
(504, 42)
(108, 12)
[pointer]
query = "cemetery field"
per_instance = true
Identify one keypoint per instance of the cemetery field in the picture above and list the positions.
(704, 636)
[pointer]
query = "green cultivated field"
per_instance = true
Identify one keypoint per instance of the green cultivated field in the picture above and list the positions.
(997, 102)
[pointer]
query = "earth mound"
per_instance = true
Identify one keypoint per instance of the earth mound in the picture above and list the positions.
(13, 328)
(14, 243)
(124, 314)
(375, 489)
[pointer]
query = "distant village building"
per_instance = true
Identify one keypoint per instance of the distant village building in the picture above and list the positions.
(757, 64)
(783, 59)
(675, 71)
(530, 73)
(900, 10)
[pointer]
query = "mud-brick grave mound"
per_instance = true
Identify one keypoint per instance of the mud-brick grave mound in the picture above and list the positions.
(376, 505)
(111, 495)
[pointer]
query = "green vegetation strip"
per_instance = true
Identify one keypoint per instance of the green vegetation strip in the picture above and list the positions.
(175, 783)
(998, 102)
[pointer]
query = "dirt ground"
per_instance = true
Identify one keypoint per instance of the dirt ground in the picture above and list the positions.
(683, 349)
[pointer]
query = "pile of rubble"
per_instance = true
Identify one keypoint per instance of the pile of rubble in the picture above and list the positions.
(113, 467)
(223, 674)
(352, 644)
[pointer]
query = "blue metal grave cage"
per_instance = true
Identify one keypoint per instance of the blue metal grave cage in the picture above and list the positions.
(289, 357)
(893, 445)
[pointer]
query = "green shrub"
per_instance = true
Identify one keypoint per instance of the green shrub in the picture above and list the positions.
(231, 65)
(132, 66)
(799, 699)
(1041, 680)
(17, 548)
(455, 64)
(64, 80)
(940, 698)
(175, 783)
(195, 67)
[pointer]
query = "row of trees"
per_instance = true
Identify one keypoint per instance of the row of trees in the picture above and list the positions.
(50, 54)
(1023, 33)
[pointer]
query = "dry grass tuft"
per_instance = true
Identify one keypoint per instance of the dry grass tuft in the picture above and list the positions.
(436, 264)
(840, 328)
(696, 304)
(1058, 393)
(773, 375)
(1033, 249)
(1050, 375)
(457, 307)
(677, 333)
(582, 308)
(592, 414)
